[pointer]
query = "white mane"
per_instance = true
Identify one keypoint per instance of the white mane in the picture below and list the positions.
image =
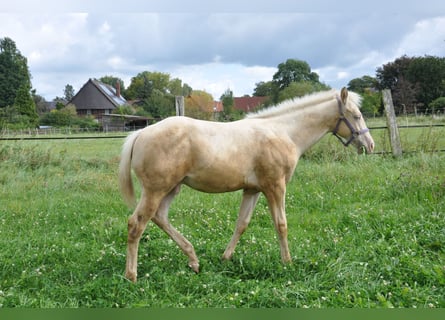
(294, 104)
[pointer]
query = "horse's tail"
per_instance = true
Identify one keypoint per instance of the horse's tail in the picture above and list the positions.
(125, 181)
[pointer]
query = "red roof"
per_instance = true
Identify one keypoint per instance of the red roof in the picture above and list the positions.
(248, 104)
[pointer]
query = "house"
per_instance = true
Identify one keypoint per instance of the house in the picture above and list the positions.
(218, 106)
(248, 104)
(97, 99)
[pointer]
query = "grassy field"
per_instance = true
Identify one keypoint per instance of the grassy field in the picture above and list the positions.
(427, 138)
(364, 231)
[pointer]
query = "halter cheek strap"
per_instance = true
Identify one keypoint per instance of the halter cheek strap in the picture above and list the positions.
(342, 118)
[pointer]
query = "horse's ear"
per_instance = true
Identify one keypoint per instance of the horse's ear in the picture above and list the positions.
(344, 95)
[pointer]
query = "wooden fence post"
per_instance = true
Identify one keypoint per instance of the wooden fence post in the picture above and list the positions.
(394, 136)
(179, 102)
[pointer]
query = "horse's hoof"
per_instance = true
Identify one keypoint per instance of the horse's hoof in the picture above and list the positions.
(194, 267)
(226, 257)
(131, 276)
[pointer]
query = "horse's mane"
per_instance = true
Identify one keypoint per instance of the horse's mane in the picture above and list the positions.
(294, 104)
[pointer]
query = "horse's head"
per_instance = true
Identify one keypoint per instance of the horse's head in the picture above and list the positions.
(350, 126)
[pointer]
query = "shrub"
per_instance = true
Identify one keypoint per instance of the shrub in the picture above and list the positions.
(438, 104)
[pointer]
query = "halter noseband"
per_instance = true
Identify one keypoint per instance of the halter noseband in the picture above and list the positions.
(354, 133)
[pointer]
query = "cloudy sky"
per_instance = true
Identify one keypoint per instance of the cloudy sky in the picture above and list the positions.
(215, 46)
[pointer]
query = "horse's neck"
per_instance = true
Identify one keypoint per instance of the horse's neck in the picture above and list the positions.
(307, 126)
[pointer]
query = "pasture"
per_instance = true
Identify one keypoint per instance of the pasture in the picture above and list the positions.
(364, 231)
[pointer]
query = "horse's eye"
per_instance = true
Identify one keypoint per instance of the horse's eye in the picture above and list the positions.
(357, 117)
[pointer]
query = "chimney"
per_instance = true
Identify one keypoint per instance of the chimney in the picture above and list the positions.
(118, 89)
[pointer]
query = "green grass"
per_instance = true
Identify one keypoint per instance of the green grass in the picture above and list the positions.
(426, 139)
(364, 231)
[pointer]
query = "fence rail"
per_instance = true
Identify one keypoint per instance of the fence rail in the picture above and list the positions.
(76, 134)
(68, 134)
(63, 138)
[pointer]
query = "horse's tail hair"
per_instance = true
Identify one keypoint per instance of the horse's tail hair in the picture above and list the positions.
(125, 180)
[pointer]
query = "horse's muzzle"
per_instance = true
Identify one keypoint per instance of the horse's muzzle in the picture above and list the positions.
(366, 144)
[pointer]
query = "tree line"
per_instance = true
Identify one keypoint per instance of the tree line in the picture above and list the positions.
(417, 85)
(16, 102)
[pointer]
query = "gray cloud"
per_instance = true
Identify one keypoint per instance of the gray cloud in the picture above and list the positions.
(340, 40)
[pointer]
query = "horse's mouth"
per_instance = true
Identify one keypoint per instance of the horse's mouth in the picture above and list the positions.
(366, 148)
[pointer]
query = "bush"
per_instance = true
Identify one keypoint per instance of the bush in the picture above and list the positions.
(67, 116)
(371, 103)
(86, 122)
(11, 118)
(438, 104)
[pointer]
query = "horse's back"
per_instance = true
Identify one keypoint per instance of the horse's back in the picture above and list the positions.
(173, 131)
(210, 156)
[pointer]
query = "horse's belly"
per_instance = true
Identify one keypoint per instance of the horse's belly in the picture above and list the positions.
(217, 182)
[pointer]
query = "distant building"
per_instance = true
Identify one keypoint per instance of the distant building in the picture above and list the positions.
(248, 104)
(117, 122)
(97, 99)
(218, 106)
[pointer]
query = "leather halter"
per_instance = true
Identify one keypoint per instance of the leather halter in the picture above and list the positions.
(354, 133)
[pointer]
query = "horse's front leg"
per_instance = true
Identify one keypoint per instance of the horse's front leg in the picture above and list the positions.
(276, 200)
(247, 205)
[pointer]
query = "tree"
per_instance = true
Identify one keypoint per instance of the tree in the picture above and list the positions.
(26, 107)
(293, 71)
(176, 88)
(293, 78)
(389, 74)
(140, 87)
(437, 105)
(394, 76)
(372, 103)
(360, 85)
(14, 73)
(299, 89)
(145, 82)
(40, 102)
(413, 80)
(265, 89)
(123, 110)
(159, 104)
(156, 93)
(10, 117)
(199, 105)
(186, 90)
(405, 94)
(68, 92)
(59, 103)
(111, 81)
(372, 99)
(228, 104)
(428, 74)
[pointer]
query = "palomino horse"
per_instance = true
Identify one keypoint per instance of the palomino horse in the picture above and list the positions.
(257, 154)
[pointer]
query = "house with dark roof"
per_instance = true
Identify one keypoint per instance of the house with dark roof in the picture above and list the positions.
(248, 104)
(97, 99)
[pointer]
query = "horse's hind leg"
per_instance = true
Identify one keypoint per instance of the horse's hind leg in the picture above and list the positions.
(161, 219)
(247, 205)
(137, 223)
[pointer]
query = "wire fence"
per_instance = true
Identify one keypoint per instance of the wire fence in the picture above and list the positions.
(89, 134)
